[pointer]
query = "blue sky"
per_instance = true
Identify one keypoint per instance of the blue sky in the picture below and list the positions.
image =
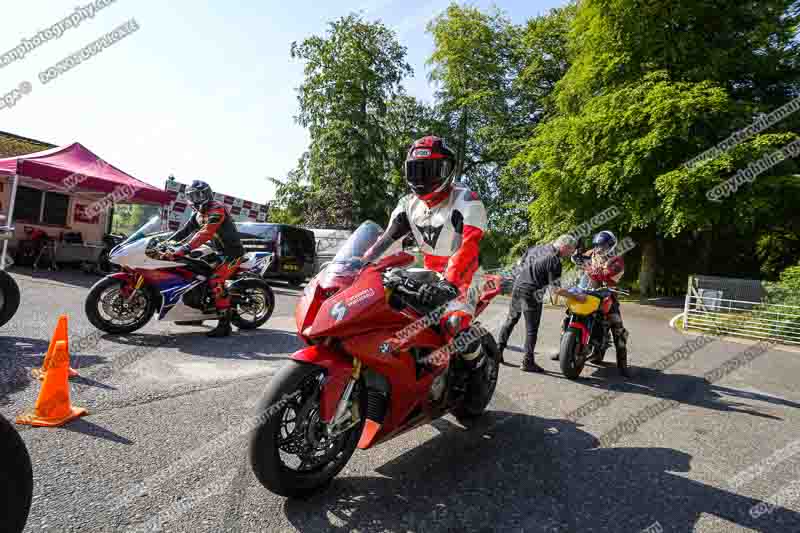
(203, 90)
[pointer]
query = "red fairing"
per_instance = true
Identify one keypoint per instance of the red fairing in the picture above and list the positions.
(464, 263)
(124, 276)
(584, 331)
(339, 367)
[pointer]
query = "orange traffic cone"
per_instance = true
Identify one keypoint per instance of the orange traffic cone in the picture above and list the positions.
(53, 407)
(60, 334)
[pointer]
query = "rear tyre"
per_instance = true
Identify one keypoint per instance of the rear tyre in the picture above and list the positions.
(9, 297)
(568, 354)
(107, 309)
(482, 384)
(16, 479)
(289, 424)
(251, 296)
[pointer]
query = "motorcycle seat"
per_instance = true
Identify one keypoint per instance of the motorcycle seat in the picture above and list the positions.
(198, 267)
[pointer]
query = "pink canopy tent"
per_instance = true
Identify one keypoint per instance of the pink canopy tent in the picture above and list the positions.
(75, 168)
(94, 174)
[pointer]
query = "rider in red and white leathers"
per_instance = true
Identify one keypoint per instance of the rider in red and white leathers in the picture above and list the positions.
(447, 222)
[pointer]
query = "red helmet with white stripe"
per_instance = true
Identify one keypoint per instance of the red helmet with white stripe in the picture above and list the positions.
(430, 166)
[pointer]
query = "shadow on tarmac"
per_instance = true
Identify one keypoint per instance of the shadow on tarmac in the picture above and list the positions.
(81, 425)
(260, 344)
(531, 474)
(683, 388)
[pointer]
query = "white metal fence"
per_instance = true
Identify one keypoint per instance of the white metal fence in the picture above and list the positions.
(740, 307)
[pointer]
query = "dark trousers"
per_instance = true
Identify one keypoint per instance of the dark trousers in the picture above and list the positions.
(523, 302)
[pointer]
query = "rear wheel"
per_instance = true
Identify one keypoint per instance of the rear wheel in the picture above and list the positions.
(568, 354)
(481, 385)
(290, 451)
(253, 303)
(9, 297)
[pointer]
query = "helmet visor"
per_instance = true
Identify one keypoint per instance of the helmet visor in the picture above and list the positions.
(196, 196)
(425, 175)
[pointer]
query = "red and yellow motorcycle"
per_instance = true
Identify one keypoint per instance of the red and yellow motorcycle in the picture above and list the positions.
(587, 336)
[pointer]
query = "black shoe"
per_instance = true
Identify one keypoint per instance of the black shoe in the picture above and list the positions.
(529, 365)
(532, 367)
(189, 323)
(223, 328)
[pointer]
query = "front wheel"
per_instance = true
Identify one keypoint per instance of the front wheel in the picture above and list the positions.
(568, 354)
(9, 297)
(253, 303)
(109, 310)
(291, 453)
(16, 479)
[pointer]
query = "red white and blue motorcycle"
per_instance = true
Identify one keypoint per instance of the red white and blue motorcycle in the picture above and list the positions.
(176, 289)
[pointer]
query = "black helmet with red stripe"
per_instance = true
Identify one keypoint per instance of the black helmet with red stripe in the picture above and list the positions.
(430, 166)
(199, 194)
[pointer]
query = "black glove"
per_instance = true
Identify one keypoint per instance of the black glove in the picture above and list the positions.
(437, 293)
(578, 258)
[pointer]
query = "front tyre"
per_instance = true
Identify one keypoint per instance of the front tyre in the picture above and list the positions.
(568, 354)
(253, 303)
(9, 297)
(109, 310)
(290, 453)
(16, 479)
(481, 384)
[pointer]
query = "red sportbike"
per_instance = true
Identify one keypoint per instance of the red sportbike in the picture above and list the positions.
(352, 387)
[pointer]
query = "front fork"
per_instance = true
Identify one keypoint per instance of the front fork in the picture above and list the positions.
(131, 283)
(136, 287)
(343, 420)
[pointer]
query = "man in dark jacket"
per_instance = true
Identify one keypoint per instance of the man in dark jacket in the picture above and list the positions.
(540, 267)
(212, 223)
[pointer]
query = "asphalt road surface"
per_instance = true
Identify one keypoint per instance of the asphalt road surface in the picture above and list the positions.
(162, 448)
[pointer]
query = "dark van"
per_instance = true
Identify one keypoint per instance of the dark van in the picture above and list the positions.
(294, 249)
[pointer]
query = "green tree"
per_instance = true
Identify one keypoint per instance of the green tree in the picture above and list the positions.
(472, 63)
(350, 75)
(495, 79)
(406, 120)
(651, 85)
